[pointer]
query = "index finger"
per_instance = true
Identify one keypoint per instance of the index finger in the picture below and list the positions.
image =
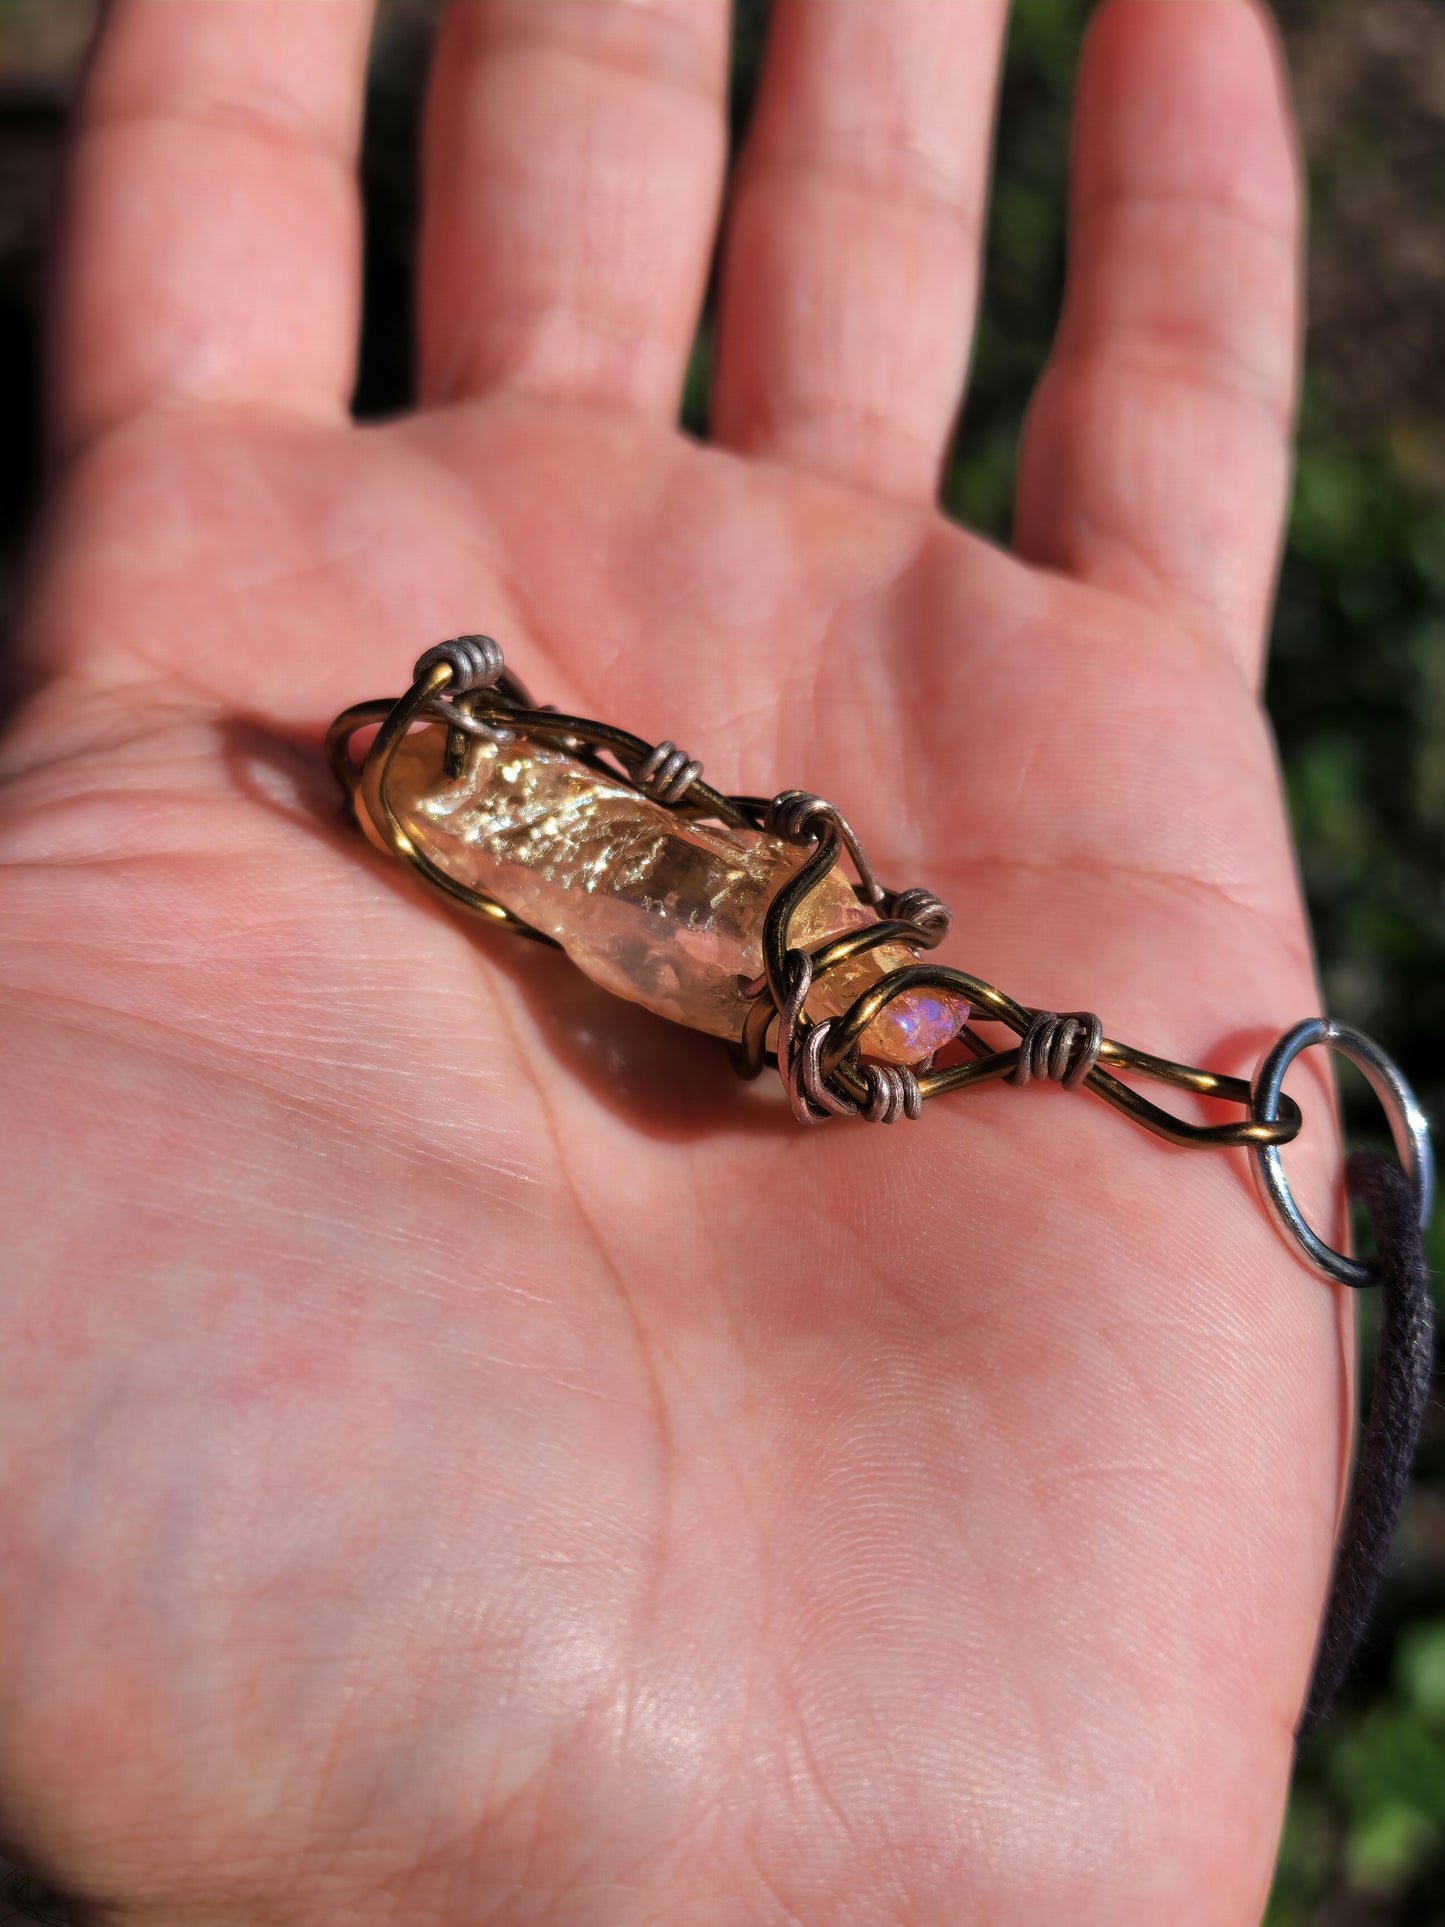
(213, 238)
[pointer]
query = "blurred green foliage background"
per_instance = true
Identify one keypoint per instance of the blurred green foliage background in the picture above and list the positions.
(1356, 690)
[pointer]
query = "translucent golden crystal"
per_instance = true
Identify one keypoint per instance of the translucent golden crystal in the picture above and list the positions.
(657, 909)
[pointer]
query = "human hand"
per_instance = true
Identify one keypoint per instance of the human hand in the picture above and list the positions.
(469, 1459)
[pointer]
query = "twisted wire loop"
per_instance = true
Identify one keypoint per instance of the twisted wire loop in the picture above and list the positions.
(894, 1093)
(814, 1098)
(666, 773)
(1058, 1050)
(476, 663)
(798, 816)
(893, 1089)
(921, 907)
(808, 1092)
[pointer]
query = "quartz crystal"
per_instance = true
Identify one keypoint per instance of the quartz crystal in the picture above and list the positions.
(654, 907)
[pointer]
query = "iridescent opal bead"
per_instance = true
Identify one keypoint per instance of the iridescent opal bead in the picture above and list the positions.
(654, 907)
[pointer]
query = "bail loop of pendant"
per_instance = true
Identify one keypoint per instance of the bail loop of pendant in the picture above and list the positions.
(1408, 1126)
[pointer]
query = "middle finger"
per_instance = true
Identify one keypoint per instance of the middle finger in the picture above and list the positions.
(575, 152)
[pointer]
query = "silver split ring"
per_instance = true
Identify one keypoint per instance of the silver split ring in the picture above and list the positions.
(1408, 1126)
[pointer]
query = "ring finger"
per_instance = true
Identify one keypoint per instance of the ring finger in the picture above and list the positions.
(851, 267)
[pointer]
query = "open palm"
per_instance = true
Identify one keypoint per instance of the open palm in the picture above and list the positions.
(468, 1458)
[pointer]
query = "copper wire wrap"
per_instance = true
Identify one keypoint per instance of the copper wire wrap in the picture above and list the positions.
(1059, 1050)
(665, 773)
(465, 682)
